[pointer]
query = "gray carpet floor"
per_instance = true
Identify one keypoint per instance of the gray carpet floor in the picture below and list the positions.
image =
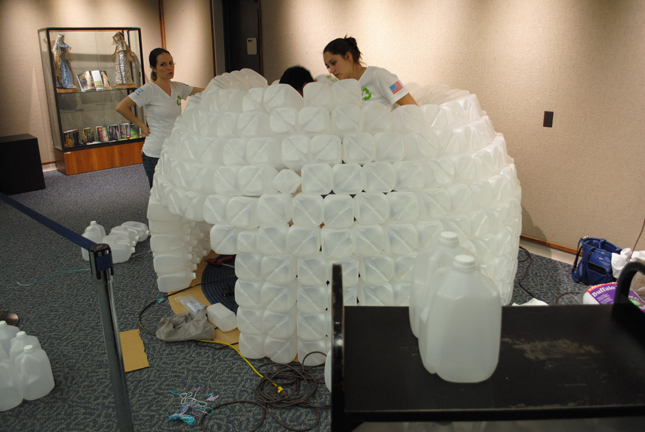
(63, 312)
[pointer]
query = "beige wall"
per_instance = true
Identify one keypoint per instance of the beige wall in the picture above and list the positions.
(188, 38)
(582, 59)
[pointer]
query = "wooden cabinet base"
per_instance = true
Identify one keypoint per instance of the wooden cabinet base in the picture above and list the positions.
(98, 158)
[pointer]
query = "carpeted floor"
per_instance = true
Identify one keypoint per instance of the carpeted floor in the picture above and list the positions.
(62, 311)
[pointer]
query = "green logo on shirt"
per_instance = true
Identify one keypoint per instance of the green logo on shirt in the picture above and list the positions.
(179, 100)
(366, 94)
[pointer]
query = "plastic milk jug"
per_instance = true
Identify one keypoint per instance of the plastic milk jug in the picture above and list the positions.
(35, 373)
(10, 388)
(140, 228)
(222, 317)
(7, 332)
(98, 227)
(428, 261)
(19, 343)
(463, 328)
(120, 252)
(174, 281)
(95, 233)
(328, 371)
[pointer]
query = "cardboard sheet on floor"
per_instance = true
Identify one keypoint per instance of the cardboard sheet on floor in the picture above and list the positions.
(229, 337)
(134, 353)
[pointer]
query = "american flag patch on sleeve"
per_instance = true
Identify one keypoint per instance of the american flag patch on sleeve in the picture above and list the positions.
(394, 88)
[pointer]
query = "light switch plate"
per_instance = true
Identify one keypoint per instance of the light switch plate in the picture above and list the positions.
(251, 46)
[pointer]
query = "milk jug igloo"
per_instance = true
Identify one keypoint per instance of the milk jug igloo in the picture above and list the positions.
(463, 325)
(247, 169)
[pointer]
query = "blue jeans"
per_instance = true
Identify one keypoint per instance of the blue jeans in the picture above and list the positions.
(149, 164)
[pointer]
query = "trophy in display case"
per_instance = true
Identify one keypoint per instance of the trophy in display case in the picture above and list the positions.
(123, 56)
(62, 63)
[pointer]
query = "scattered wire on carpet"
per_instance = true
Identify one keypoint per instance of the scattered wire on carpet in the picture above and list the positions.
(629, 257)
(557, 300)
(191, 407)
(56, 273)
(298, 385)
(528, 258)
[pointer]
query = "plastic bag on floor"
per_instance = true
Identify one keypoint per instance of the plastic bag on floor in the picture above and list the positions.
(619, 260)
(185, 327)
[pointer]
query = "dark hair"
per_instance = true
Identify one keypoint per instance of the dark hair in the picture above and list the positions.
(296, 77)
(342, 46)
(152, 58)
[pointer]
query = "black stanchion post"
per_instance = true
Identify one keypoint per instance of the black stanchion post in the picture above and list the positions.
(103, 281)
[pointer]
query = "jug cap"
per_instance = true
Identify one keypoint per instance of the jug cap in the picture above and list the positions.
(3, 323)
(464, 262)
(29, 348)
(21, 334)
(448, 238)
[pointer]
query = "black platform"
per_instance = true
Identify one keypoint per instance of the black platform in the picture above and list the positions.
(572, 361)
(20, 167)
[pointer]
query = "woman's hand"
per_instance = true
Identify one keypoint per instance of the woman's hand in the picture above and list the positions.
(123, 108)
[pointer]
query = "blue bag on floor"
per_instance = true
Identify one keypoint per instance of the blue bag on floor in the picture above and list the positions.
(595, 265)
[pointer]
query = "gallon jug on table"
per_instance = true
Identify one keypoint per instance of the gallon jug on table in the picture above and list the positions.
(424, 280)
(463, 327)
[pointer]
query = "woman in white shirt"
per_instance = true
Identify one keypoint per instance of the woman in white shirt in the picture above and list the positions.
(162, 100)
(343, 60)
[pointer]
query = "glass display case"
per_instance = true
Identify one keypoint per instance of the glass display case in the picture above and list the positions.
(87, 72)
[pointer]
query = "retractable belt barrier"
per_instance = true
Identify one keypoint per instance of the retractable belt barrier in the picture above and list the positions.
(102, 269)
(103, 262)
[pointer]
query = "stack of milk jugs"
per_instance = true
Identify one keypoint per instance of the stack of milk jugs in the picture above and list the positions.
(255, 166)
(121, 239)
(25, 371)
(177, 245)
(455, 312)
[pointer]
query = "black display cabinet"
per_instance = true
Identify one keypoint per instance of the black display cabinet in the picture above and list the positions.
(20, 166)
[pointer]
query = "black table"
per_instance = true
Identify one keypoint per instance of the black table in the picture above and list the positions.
(574, 361)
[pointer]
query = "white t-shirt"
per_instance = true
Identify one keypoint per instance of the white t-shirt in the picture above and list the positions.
(161, 112)
(381, 86)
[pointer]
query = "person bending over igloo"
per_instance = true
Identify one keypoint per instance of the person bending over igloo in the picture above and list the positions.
(343, 60)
